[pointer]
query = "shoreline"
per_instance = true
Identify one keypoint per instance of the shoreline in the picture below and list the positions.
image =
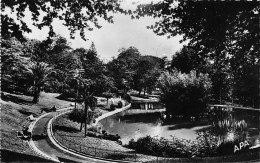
(111, 113)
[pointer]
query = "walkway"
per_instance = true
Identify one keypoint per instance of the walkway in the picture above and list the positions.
(43, 143)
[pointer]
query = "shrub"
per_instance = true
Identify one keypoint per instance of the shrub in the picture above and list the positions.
(120, 104)
(184, 94)
(162, 147)
(78, 115)
(206, 144)
(127, 97)
(112, 107)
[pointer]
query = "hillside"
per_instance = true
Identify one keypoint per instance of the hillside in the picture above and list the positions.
(14, 109)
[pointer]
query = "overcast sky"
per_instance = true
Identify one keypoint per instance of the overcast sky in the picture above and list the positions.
(124, 32)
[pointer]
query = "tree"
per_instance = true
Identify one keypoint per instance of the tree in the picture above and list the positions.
(184, 94)
(76, 15)
(227, 33)
(187, 59)
(147, 71)
(122, 68)
(39, 72)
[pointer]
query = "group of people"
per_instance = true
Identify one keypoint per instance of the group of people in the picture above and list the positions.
(26, 132)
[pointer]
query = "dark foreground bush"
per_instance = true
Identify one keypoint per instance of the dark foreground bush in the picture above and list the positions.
(206, 145)
(104, 136)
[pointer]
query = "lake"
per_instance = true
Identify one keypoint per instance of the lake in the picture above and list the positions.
(136, 123)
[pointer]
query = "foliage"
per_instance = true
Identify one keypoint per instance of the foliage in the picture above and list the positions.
(107, 95)
(226, 33)
(184, 94)
(176, 148)
(78, 115)
(120, 104)
(187, 59)
(131, 70)
(147, 72)
(226, 127)
(76, 15)
(14, 66)
(112, 107)
(122, 68)
(207, 144)
(39, 72)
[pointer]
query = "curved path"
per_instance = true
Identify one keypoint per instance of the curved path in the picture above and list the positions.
(41, 143)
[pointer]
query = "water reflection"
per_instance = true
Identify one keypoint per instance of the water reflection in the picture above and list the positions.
(135, 124)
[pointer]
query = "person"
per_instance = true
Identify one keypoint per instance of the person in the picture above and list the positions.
(53, 108)
(30, 118)
(27, 131)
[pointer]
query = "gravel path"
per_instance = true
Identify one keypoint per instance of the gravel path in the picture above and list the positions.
(44, 144)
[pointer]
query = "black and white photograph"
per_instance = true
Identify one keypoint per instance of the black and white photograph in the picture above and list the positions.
(147, 81)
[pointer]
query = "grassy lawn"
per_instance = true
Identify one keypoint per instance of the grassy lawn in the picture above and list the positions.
(105, 148)
(14, 110)
(70, 131)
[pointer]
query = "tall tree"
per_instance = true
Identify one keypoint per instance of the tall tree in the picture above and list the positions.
(39, 72)
(187, 59)
(13, 66)
(122, 68)
(147, 71)
(76, 15)
(224, 32)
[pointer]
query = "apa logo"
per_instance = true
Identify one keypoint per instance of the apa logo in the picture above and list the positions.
(241, 145)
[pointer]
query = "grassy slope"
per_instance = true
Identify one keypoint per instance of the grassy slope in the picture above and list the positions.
(14, 110)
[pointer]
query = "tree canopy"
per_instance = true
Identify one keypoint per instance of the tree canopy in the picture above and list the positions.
(76, 15)
(225, 33)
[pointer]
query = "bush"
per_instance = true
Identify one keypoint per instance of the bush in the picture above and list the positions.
(78, 115)
(127, 97)
(120, 104)
(206, 144)
(112, 107)
(162, 147)
(104, 135)
(184, 94)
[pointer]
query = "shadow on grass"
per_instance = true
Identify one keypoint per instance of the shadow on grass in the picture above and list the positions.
(67, 98)
(10, 156)
(120, 156)
(72, 136)
(15, 99)
(27, 113)
(65, 128)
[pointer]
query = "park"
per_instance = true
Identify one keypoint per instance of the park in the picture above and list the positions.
(125, 81)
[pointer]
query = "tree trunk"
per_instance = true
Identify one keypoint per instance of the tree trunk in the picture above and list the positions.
(36, 95)
(86, 117)
(140, 92)
(81, 124)
(76, 95)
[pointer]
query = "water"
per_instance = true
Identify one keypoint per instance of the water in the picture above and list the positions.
(135, 123)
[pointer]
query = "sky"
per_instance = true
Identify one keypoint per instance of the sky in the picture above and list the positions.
(123, 33)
